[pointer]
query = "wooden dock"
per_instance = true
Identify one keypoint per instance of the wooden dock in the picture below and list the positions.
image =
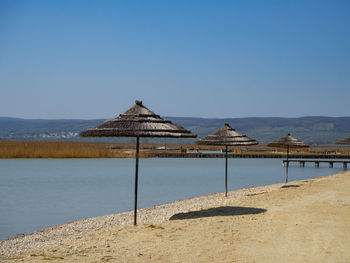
(317, 162)
(178, 154)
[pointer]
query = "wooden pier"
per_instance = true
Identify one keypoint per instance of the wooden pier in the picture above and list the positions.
(317, 162)
(299, 156)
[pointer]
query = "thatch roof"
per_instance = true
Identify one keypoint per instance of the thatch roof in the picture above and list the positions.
(288, 141)
(138, 121)
(344, 141)
(227, 136)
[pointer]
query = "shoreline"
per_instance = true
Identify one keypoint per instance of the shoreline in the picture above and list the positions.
(150, 217)
(150, 155)
(125, 219)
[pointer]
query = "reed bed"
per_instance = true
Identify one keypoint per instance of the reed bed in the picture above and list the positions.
(35, 149)
(39, 149)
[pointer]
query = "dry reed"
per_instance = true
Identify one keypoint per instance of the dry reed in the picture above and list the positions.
(35, 149)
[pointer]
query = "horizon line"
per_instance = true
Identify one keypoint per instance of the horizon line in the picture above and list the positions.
(209, 118)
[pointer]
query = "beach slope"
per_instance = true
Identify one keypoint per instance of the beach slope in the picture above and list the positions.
(302, 221)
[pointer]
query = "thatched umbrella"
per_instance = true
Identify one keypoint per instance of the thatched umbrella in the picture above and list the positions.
(138, 122)
(288, 142)
(344, 141)
(226, 136)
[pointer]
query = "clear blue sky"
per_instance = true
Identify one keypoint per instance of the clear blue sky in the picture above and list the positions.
(92, 59)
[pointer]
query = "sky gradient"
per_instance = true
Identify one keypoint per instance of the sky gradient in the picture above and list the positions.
(215, 59)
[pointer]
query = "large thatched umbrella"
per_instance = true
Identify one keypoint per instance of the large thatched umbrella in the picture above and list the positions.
(226, 136)
(288, 142)
(138, 122)
(344, 141)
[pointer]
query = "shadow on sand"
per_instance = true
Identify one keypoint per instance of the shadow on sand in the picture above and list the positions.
(290, 185)
(219, 211)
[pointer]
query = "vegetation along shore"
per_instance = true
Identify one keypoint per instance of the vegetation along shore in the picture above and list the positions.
(40, 149)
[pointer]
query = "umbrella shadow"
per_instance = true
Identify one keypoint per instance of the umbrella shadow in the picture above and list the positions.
(290, 185)
(219, 211)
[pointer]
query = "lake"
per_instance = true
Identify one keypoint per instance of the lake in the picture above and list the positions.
(38, 193)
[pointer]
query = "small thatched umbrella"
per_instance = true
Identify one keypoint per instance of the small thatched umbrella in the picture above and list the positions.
(344, 141)
(138, 122)
(226, 136)
(288, 142)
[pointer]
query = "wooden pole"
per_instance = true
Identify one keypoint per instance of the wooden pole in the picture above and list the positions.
(226, 172)
(136, 180)
(287, 164)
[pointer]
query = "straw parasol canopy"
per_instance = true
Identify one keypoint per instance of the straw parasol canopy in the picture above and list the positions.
(344, 141)
(288, 142)
(226, 136)
(138, 122)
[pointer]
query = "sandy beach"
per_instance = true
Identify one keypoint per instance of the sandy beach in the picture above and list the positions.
(302, 221)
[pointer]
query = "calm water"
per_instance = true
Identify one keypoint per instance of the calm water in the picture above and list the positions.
(37, 193)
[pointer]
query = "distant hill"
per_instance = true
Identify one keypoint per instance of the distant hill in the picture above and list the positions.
(313, 130)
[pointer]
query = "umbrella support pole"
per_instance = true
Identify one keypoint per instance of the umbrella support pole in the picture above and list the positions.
(226, 171)
(287, 164)
(136, 179)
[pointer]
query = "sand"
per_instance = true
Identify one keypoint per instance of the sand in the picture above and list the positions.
(302, 221)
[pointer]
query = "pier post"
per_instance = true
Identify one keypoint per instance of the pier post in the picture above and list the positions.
(344, 165)
(302, 164)
(330, 164)
(317, 164)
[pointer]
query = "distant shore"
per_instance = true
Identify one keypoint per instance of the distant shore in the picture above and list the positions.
(40, 149)
(302, 221)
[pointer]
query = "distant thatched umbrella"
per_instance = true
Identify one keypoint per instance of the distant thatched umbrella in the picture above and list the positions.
(138, 122)
(288, 142)
(344, 141)
(226, 136)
